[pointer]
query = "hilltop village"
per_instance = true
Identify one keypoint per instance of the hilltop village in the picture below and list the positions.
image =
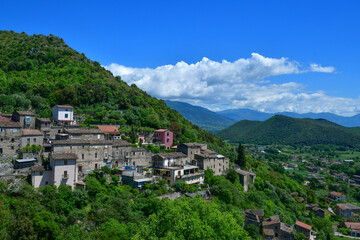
(58, 151)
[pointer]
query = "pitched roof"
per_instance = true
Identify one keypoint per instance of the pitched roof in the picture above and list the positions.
(63, 156)
(171, 155)
(258, 212)
(4, 119)
(303, 225)
(63, 106)
(162, 130)
(10, 124)
(83, 131)
(243, 172)
(121, 143)
(25, 113)
(31, 132)
(271, 220)
(344, 206)
(81, 141)
(337, 194)
(138, 149)
(109, 129)
(192, 144)
(43, 119)
(352, 225)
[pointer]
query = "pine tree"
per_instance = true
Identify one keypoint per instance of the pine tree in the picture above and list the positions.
(241, 159)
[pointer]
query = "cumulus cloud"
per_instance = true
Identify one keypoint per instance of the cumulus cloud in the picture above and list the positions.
(243, 83)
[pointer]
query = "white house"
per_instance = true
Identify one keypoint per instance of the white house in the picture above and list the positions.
(64, 169)
(63, 114)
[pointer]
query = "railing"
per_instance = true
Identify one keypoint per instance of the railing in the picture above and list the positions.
(65, 176)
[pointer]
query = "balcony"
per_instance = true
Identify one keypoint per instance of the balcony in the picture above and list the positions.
(65, 176)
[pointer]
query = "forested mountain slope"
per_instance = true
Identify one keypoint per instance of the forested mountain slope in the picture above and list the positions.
(290, 131)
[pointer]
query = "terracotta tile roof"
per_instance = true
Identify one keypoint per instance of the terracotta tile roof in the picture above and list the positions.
(109, 129)
(64, 106)
(336, 194)
(63, 156)
(303, 225)
(352, 225)
(162, 130)
(31, 132)
(4, 119)
(10, 124)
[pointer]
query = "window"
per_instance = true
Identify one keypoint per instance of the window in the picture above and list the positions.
(2, 139)
(82, 156)
(14, 130)
(95, 165)
(106, 155)
(168, 140)
(65, 162)
(12, 147)
(91, 136)
(12, 140)
(98, 136)
(117, 154)
(2, 129)
(34, 140)
(41, 173)
(95, 155)
(66, 115)
(28, 140)
(65, 174)
(167, 134)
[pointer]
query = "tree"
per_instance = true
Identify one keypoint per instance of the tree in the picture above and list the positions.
(232, 175)
(241, 159)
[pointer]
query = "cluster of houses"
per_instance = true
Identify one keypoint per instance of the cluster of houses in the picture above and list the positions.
(273, 228)
(74, 151)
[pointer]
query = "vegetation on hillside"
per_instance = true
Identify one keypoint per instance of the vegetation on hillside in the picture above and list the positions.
(38, 72)
(291, 131)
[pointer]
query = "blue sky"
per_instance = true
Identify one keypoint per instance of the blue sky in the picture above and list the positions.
(139, 36)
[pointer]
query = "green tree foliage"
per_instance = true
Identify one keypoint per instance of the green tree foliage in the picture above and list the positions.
(241, 158)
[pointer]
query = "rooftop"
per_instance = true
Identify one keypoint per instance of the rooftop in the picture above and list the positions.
(10, 124)
(303, 225)
(37, 169)
(344, 206)
(63, 156)
(352, 225)
(171, 155)
(4, 119)
(84, 131)
(161, 130)
(43, 119)
(64, 106)
(31, 132)
(25, 113)
(336, 194)
(243, 172)
(109, 129)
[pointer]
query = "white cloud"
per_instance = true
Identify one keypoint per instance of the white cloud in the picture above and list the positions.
(318, 68)
(239, 84)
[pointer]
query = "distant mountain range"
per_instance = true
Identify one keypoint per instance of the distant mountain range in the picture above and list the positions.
(291, 131)
(200, 116)
(216, 121)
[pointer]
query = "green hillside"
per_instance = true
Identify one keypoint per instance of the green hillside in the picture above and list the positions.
(200, 116)
(291, 131)
(38, 72)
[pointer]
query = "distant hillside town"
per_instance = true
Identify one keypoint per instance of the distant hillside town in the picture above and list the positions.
(59, 151)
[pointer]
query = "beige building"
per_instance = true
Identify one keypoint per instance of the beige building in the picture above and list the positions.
(188, 173)
(31, 137)
(10, 134)
(85, 133)
(40, 177)
(163, 160)
(64, 169)
(140, 157)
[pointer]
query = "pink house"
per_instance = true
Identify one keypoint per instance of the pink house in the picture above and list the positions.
(165, 136)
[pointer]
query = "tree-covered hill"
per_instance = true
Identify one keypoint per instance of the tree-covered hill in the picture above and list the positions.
(291, 131)
(38, 72)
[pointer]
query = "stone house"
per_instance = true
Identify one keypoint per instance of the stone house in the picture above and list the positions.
(337, 196)
(10, 134)
(354, 228)
(40, 177)
(274, 229)
(110, 132)
(31, 137)
(346, 210)
(140, 157)
(163, 160)
(218, 163)
(254, 216)
(190, 149)
(25, 118)
(246, 178)
(85, 133)
(303, 228)
(44, 125)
